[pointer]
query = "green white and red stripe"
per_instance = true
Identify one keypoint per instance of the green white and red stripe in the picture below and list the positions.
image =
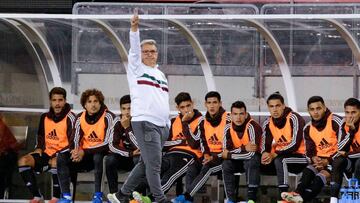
(147, 79)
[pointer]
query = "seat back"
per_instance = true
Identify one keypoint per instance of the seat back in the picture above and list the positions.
(20, 133)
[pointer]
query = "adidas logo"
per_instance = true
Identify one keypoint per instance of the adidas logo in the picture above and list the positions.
(52, 135)
(282, 141)
(324, 144)
(93, 137)
(214, 140)
(355, 145)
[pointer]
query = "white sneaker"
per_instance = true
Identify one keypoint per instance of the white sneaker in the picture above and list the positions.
(112, 198)
(333, 200)
(292, 197)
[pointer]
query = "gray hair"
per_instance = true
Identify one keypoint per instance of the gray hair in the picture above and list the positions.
(148, 41)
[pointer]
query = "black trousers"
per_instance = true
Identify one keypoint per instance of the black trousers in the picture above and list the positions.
(198, 174)
(88, 163)
(340, 166)
(114, 163)
(8, 164)
(281, 166)
(252, 169)
(173, 167)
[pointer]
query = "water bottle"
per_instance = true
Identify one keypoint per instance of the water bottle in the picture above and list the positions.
(357, 192)
(343, 195)
(350, 195)
(353, 190)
